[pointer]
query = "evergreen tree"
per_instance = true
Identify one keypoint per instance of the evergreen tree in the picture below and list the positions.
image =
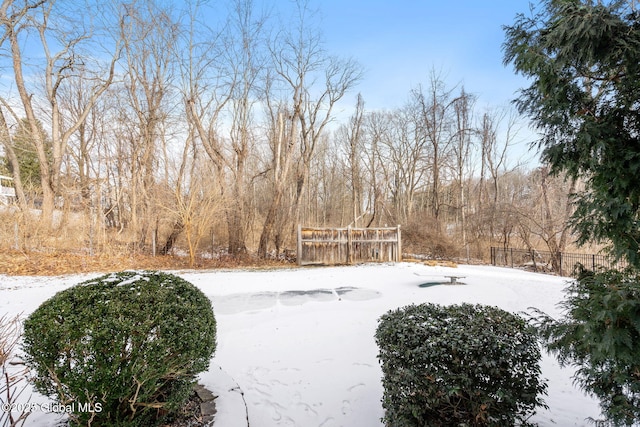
(583, 60)
(27, 156)
(4, 162)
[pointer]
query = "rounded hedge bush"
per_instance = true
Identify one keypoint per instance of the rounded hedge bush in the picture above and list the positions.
(460, 365)
(121, 349)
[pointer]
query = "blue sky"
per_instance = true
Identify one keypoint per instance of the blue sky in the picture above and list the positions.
(400, 42)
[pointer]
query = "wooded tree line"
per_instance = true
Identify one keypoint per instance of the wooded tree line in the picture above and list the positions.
(144, 124)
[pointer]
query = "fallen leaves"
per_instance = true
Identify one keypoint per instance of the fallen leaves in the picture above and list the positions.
(17, 263)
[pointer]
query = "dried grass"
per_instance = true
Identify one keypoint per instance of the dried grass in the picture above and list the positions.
(434, 262)
(18, 263)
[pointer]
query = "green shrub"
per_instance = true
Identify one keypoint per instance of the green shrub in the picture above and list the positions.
(461, 365)
(600, 333)
(122, 349)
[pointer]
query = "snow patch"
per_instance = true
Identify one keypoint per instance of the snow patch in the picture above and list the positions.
(300, 345)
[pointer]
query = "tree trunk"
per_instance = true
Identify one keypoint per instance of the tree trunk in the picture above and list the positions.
(178, 227)
(269, 223)
(236, 233)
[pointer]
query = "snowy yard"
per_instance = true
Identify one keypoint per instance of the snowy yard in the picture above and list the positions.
(300, 343)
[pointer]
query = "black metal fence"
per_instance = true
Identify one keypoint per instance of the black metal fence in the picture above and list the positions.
(562, 263)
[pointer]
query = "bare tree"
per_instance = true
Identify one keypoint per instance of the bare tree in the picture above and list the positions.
(282, 137)
(434, 108)
(298, 60)
(149, 33)
(462, 142)
(377, 127)
(546, 212)
(403, 154)
(73, 100)
(248, 62)
(196, 193)
(314, 115)
(497, 132)
(351, 136)
(222, 77)
(54, 26)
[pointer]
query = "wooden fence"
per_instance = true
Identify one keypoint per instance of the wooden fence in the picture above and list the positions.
(348, 245)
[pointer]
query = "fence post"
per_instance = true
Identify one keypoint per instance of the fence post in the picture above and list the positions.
(349, 247)
(213, 243)
(532, 254)
(299, 248)
(560, 261)
(593, 262)
(154, 243)
(511, 257)
(16, 235)
(399, 245)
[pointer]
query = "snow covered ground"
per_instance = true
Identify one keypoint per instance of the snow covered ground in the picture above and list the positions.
(300, 343)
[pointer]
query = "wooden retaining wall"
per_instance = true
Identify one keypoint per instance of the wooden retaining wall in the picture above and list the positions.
(331, 246)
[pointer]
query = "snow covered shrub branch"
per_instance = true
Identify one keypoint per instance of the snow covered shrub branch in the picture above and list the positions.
(14, 376)
(122, 349)
(464, 364)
